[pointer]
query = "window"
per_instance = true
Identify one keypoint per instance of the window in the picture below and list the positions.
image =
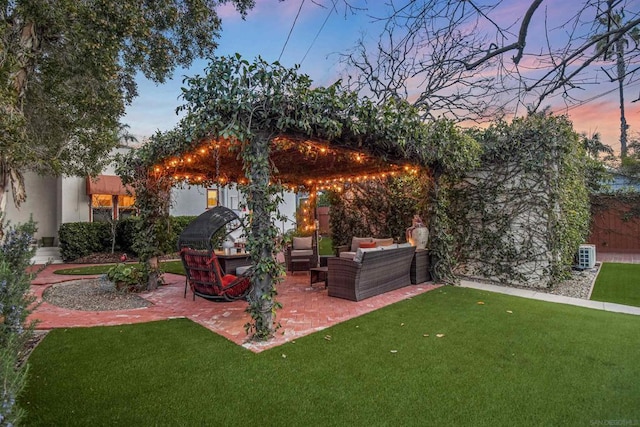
(125, 206)
(233, 202)
(212, 198)
(107, 207)
(101, 207)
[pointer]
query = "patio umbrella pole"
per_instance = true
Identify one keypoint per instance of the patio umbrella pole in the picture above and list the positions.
(316, 224)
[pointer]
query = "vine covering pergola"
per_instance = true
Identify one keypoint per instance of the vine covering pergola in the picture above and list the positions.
(265, 128)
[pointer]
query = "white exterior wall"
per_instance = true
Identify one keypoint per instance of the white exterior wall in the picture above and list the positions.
(40, 204)
(56, 200)
(193, 201)
(73, 201)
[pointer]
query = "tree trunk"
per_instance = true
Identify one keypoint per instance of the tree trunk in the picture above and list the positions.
(154, 273)
(3, 198)
(262, 294)
(621, 76)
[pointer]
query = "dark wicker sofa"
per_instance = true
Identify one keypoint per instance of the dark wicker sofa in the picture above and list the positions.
(379, 271)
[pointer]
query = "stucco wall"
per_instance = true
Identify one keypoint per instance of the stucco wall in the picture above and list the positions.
(40, 204)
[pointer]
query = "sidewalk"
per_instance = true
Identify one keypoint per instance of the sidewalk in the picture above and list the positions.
(543, 296)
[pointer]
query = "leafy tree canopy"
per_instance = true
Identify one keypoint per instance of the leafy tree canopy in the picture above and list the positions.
(238, 100)
(68, 68)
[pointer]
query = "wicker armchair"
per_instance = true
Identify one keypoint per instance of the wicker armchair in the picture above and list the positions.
(303, 249)
(379, 271)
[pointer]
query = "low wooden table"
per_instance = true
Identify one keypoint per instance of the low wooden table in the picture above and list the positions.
(229, 263)
(319, 274)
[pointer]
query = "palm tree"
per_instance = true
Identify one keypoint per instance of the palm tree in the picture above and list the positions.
(615, 50)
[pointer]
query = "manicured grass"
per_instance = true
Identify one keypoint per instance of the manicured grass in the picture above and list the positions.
(325, 246)
(167, 266)
(509, 361)
(619, 283)
(91, 269)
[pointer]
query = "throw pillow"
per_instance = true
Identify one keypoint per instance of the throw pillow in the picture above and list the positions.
(355, 242)
(367, 245)
(384, 242)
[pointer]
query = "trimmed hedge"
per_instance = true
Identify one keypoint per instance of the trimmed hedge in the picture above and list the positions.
(79, 239)
(126, 231)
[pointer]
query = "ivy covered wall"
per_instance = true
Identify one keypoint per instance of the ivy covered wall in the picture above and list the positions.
(521, 215)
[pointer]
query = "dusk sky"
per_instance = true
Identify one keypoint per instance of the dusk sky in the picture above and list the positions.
(265, 32)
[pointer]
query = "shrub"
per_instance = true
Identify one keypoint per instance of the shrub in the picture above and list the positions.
(15, 256)
(176, 225)
(126, 231)
(126, 277)
(78, 239)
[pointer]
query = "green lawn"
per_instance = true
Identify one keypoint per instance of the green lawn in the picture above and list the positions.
(619, 283)
(509, 361)
(325, 246)
(167, 266)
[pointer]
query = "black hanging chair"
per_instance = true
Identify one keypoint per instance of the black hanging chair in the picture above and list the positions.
(204, 275)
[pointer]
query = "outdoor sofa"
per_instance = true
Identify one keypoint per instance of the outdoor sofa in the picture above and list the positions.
(372, 272)
(349, 252)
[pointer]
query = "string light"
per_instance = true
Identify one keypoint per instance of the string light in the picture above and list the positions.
(199, 159)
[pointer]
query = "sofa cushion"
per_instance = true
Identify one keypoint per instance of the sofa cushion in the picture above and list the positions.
(391, 246)
(355, 242)
(361, 251)
(302, 242)
(301, 252)
(367, 245)
(347, 255)
(384, 242)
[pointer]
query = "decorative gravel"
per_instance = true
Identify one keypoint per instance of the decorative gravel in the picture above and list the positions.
(578, 286)
(92, 295)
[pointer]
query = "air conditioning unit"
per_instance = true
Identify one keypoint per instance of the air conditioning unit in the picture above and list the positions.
(587, 256)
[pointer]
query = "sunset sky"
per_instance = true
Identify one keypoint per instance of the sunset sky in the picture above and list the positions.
(266, 29)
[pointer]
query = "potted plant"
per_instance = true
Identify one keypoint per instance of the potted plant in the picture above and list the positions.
(125, 277)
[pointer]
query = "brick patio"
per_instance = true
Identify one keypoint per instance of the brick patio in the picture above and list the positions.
(306, 309)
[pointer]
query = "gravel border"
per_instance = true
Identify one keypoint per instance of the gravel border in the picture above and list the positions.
(579, 285)
(97, 294)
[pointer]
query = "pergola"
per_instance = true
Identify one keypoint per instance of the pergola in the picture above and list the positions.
(299, 164)
(261, 124)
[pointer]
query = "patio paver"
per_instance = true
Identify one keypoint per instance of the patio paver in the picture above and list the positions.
(306, 309)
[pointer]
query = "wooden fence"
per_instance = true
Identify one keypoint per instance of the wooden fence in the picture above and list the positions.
(613, 229)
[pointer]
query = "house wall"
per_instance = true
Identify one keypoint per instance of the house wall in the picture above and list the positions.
(56, 200)
(73, 201)
(40, 205)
